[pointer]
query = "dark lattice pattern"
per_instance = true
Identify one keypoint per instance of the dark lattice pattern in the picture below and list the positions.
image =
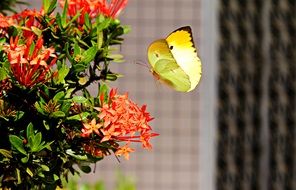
(240, 76)
(282, 95)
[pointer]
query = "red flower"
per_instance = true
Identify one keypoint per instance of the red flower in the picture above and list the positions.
(5, 21)
(30, 67)
(29, 19)
(91, 127)
(123, 120)
(115, 7)
(94, 8)
(124, 150)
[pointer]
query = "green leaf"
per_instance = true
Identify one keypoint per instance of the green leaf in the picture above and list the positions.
(58, 96)
(87, 21)
(116, 57)
(55, 177)
(59, 21)
(126, 29)
(77, 49)
(30, 130)
(40, 174)
(46, 4)
(45, 168)
(46, 125)
(19, 115)
(100, 39)
(29, 172)
(38, 108)
(79, 99)
(57, 114)
(111, 77)
(79, 117)
(89, 55)
(68, 53)
(66, 107)
(62, 73)
(69, 93)
(79, 68)
(36, 30)
(36, 139)
(3, 74)
(52, 7)
(74, 155)
(17, 143)
(64, 15)
(84, 168)
(18, 174)
(25, 159)
(102, 22)
(6, 153)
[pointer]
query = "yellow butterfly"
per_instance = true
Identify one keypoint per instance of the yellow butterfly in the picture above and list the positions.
(174, 60)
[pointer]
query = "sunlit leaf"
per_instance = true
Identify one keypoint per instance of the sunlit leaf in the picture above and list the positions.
(17, 143)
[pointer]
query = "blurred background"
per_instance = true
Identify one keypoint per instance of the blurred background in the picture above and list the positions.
(237, 129)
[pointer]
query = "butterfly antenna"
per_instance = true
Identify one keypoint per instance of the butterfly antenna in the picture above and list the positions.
(144, 64)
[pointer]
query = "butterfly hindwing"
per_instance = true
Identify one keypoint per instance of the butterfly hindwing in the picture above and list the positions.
(171, 74)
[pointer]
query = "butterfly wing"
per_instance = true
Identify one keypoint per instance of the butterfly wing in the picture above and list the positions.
(166, 67)
(181, 45)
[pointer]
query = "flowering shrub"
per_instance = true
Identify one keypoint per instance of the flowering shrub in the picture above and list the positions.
(50, 123)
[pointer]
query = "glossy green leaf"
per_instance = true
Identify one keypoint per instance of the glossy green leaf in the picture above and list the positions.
(46, 4)
(17, 143)
(52, 7)
(100, 39)
(64, 15)
(79, 99)
(55, 177)
(79, 67)
(102, 22)
(30, 130)
(18, 174)
(45, 168)
(58, 96)
(36, 30)
(57, 114)
(79, 117)
(77, 156)
(29, 172)
(25, 159)
(19, 115)
(89, 55)
(39, 108)
(6, 153)
(87, 21)
(3, 74)
(46, 125)
(62, 73)
(36, 139)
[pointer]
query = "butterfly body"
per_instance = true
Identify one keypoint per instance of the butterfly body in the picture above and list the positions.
(174, 60)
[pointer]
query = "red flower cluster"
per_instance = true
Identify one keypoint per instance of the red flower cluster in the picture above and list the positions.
(29, 62)
(94, 8)
(5, 21)
(121, 120)
(28, 18)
